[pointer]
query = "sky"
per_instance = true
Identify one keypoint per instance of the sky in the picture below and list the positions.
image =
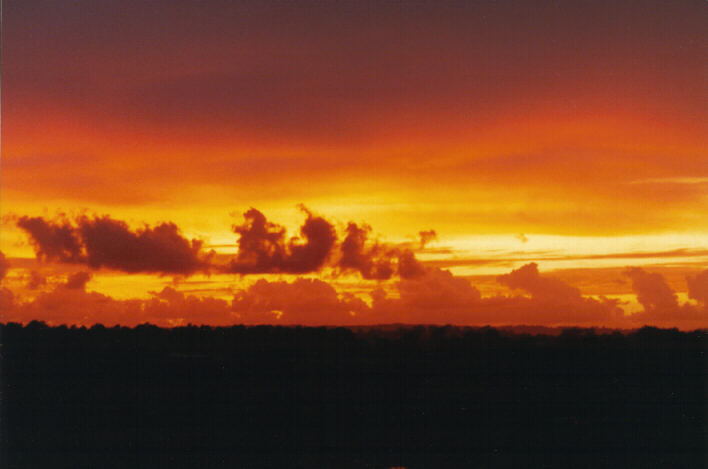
(355, 162)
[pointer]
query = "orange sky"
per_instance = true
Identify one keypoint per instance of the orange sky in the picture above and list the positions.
(572, 136)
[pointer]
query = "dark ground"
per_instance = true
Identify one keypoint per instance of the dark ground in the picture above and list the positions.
(415, 397)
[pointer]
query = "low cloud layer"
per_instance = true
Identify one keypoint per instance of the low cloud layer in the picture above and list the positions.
(435, 297)
(303, 301)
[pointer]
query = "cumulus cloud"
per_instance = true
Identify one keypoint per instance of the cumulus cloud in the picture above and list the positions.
(698, 287)
(660, 303)
(173, 308)
(262, 247)
(104, 242)
(652, 291)
(70, 303)
(303, 301)
(552, 301)
(77, 281)
(527, 278)
(439, 297)
(426, 237)
(375, 260)
(409, 267)
(53, 240)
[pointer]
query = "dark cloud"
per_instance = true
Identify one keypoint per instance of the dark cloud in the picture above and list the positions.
(262, 246)
(110, 243)
(409, 266)
(426, 237)
(53, 240)
(77, 281)
(104, 242)
(373, 262)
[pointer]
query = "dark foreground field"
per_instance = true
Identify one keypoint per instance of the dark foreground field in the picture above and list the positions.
(313, 397)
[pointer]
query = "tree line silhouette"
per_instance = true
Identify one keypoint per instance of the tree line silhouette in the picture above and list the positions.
(389, 396)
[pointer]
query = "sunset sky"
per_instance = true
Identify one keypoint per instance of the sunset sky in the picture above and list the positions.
(439, 162)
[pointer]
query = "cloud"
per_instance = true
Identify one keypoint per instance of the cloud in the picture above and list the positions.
(377, 261)
(698, 287)
(653, 293)
(439, 297)
(694, 255)
(262, 247)
(36, 280)
(4, 266)
(53, 241)
(426, 237)
(70, 303)
(527, 278)
(661, 306)
(373, 262)
(434, 297)
(77, 281)
(552, 301)
(104, 242)
(173, 308)
(304, 301)
(408, 266)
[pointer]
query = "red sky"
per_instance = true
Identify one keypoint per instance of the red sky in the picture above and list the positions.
(563, 146)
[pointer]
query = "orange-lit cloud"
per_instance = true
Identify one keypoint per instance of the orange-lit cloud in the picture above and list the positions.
(304, 301)
(698, 287)
(661, 305)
